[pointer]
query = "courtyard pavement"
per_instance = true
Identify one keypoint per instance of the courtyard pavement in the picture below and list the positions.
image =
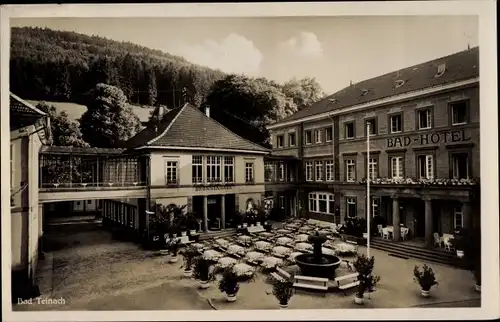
(94, 272)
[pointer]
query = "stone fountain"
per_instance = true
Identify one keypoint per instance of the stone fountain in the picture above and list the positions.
(318, 264)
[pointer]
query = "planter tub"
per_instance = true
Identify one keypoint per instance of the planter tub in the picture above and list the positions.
(283, 306)
(173, 259)
(184, 233)
(204, 284)
(192, 232)
(163, 251)
(426, 293)
(460, 253)
(188, 273)
(231, 297)
(245, 225)
(358, 300)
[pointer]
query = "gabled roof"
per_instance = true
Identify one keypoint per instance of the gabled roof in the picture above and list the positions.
(459, 66)
(189, 128)
(18, 105)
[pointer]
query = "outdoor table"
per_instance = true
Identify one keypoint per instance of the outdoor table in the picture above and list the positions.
(327, 251)
(301, 238)
(226, 262)
(242, 269)
(346, 248)
(283, 231)
(292, 256)
(281, 251)
(263, 245)
(271, 262)
(222, 242)
(245, 240)
(284, 241)
(266, 234)
(253, 257)
(235, 250)
(306, 228)
(211, 254)
(303, 247)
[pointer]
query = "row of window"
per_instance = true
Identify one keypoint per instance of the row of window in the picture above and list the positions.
(208, 169)
(278, 171)
(425, 168)
(459, 115)
(324, 202)
(424, 119)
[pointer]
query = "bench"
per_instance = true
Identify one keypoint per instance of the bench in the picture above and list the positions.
(315, 283)
(351, 278)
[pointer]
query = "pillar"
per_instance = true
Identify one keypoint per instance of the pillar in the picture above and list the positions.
(467, 217)
(223, 211)
(205, 213)
(429, 229)
(396, 234)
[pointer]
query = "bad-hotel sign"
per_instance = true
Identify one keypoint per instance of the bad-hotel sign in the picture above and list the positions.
(428, 138)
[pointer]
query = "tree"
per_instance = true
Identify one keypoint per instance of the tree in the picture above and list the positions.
(65, 132)
(108, 120)
(303, 92)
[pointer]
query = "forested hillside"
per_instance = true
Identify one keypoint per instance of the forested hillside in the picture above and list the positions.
(64, 66)
(48, 65)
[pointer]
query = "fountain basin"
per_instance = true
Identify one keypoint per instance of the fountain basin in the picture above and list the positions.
(325, 268)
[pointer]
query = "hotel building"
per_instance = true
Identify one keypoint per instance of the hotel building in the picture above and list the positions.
(424, 149)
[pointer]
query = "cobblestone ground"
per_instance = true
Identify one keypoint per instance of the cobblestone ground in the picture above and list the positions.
(93, 272)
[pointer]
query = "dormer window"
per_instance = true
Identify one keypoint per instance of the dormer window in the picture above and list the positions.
(364, 91)
(399, 83)
(441, 70)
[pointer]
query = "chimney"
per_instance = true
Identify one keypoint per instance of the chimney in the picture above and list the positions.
(207, 111)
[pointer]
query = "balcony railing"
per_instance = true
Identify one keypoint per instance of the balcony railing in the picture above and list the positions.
(422, 182)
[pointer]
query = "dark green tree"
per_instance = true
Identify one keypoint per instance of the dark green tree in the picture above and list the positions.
(108, 120)
(303, 92)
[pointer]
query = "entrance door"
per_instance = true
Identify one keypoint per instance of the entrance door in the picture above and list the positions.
(214, 212)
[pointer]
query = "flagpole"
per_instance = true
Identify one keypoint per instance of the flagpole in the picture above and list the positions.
(368, 217)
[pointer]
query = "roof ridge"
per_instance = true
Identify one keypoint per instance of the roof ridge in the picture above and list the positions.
(225, 128)
(180, 109)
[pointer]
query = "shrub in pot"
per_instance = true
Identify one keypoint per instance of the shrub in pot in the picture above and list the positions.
(283, 291)
(201, 271)
(189, 254)
(364, 266)
(425, 279)
(229, 284)
(173, 247)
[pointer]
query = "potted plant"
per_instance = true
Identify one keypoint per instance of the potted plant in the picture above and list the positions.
(192, 223)
(229, 284)
(367, 282)
(173, 248)
(189, 254)
(283, 291)
(201, 271)
(425, 279)
(458, 242)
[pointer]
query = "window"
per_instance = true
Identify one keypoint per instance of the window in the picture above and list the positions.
(319, 170)
(425, 165)
(458, 218)
(197, 168)
(89, 202)
(291, 139)
(214, 168)
(328, 134)
(373, 126)
(396, 123)
(308, 137)
(309, 171)
(372, 167)
(351, 207)
(329, 170)
(397, 167)
(460, 165)
(424, 119)
(280, 141)
(269, 171)
(249, 172)
(459, 113)
(350, 167)
(323, 202)
(313, 205)
(282, 171)
(170, 172)
(78, 203)
(317, 136)
(349, 130)
(228, 169)
(375, 207)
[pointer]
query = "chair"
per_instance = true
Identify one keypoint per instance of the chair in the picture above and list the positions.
(437, 240)
(404, 233)
(385, 233)
(447, 244)
(380, 227)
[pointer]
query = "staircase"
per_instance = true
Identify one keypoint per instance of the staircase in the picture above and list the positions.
(218, 234)
(406, 250)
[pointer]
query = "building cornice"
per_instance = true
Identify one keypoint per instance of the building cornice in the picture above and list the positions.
(187, 148)
(382, 101)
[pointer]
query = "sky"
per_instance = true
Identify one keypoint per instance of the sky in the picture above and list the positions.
(334, 50)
